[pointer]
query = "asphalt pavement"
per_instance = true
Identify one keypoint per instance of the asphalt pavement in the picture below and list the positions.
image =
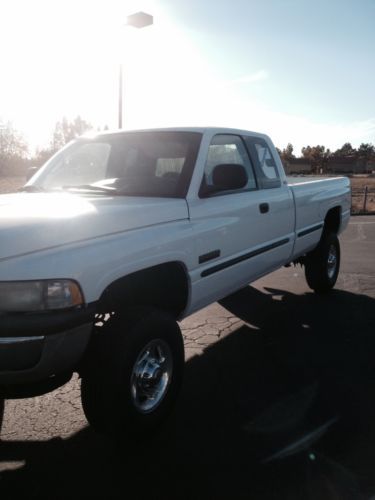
(278, 401)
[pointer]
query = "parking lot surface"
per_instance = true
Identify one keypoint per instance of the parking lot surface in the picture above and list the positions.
(271, 368)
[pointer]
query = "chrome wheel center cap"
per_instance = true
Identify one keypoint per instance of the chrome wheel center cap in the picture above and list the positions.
(331, 261)
(151, 376)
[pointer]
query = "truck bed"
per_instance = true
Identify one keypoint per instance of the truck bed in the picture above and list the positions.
(303, 179)
(311, 205)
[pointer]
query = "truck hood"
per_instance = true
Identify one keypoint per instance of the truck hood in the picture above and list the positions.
(31, 222)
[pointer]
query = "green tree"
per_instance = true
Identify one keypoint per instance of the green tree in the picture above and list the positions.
(41, 156)
(366, 155)
(318, 156)
(66, 130)
(345, 150)
(13, 150)
(366, 151)
(287, 153)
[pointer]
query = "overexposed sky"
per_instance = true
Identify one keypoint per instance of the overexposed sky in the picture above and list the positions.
(301, 72)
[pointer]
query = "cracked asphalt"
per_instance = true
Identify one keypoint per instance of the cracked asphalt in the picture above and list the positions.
(272, 342)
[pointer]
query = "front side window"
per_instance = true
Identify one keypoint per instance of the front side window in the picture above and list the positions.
(133, 164)
(227, 149)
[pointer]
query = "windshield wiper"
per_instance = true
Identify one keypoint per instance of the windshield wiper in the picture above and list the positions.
(91, 188)
(32, 188)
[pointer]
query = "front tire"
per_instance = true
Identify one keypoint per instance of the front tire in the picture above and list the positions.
(322, 265)
(134, 373)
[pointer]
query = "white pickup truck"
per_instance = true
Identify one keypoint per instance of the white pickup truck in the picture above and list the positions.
(120, 235)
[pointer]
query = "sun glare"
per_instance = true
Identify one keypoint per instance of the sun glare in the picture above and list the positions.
(68, 64)
(51, 205)
(62, 58)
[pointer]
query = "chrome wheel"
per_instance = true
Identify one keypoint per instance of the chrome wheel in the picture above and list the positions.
(151, 376)
(332, 261)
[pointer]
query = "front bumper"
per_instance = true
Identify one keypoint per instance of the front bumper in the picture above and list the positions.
(36, 346)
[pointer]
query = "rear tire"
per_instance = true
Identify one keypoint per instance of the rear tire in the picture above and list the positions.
(134, 373)
(322, 265)
(2, 404)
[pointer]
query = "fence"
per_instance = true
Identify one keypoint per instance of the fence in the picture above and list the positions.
(363, 200)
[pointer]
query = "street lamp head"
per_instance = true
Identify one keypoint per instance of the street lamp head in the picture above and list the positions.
(139, 20)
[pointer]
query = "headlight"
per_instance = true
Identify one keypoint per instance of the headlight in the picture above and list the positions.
(27, 296)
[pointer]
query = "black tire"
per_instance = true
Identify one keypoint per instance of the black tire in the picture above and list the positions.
(115, 383)
(323, 264)
(2, 404)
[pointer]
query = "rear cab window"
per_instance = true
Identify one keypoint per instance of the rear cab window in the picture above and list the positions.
(264, 162)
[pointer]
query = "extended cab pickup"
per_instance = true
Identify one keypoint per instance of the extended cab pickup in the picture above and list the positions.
(121, 234)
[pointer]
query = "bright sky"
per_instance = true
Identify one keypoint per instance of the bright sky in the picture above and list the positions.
(301, 71)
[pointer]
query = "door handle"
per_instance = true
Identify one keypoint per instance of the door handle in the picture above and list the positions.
(264, 208)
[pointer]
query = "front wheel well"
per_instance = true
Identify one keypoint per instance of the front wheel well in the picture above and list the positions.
(164, 286)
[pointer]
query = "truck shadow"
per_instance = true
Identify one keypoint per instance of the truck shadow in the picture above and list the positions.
(299, 362)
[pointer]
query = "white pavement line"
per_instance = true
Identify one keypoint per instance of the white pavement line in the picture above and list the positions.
(361, 232)
(363, 222)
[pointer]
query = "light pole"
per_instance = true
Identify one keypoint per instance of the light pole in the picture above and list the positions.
(137, 20)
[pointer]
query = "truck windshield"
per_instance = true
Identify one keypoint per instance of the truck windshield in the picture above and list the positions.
(156, 164)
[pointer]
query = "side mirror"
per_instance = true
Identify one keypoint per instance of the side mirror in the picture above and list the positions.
(229, 176)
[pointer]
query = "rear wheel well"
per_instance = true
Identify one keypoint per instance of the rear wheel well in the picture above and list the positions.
(332, 221)
(164, 286)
